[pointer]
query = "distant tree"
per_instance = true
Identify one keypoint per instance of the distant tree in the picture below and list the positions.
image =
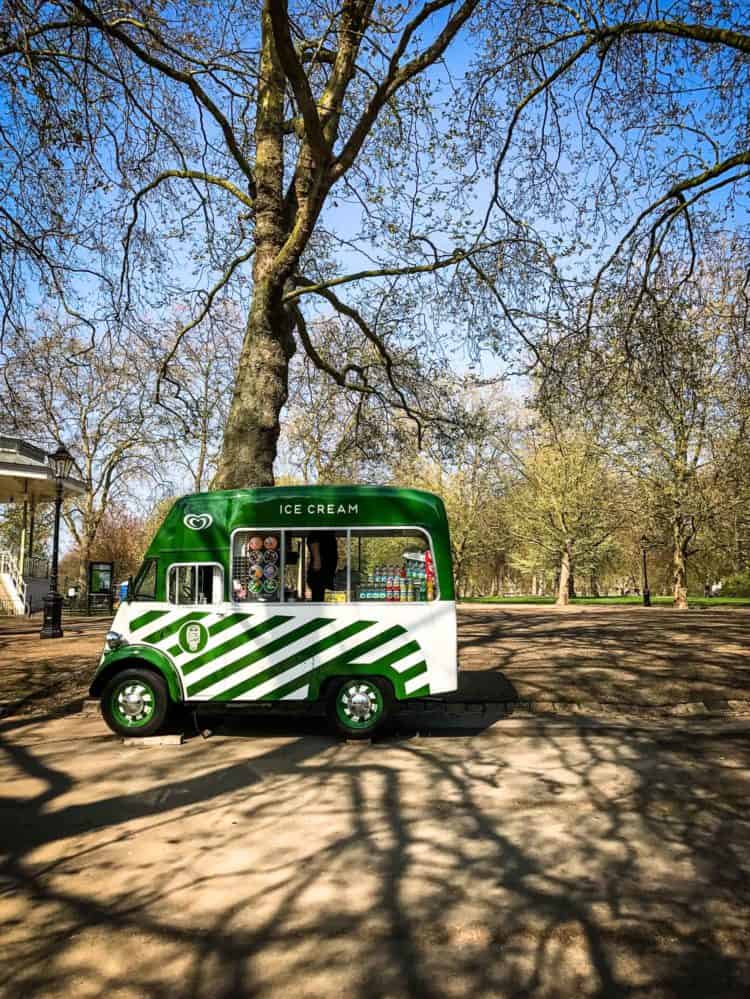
(565, 510)
(97, 401)
(674, 403)
(120, 538)
(197, 395)
(333, 435)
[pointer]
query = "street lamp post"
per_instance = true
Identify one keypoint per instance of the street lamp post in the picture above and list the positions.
(646, 591)
(62, 465)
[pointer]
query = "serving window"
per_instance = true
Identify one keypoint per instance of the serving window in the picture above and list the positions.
(393, 565)
(195, 584)
(289, 566)
(332, 566)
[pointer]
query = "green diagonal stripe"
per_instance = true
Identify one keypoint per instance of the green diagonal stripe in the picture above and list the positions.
(216, 628)
(257, 654)
(393, 657)
(413, 671)
(227, 622)
(421, 691)
(345, 657)
(300, 681)
(147, 618)
(234, 643)
(161, 633)
(311, 650)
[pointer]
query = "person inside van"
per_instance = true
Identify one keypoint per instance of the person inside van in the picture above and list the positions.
(324, 556)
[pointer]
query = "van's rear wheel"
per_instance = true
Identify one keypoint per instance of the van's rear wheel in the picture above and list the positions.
(358, 706)
(135, 702)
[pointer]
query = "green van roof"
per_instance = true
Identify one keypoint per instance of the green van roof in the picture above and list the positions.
(296, 506)
(200, 525)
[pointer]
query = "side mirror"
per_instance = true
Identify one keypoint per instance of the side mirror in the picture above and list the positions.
(129, 593)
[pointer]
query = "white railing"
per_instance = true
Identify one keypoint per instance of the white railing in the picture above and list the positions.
(11, 570)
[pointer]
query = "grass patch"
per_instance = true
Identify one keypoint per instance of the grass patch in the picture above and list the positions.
(634, 601)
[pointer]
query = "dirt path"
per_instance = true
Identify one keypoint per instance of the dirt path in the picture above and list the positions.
(536, 859)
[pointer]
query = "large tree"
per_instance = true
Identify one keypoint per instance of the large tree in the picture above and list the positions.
(206, 141)
(232, 129)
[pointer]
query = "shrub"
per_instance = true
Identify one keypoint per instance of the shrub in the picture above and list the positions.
(737, 585)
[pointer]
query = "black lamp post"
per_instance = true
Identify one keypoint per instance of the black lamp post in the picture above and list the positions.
(646, 591)
(62, 465)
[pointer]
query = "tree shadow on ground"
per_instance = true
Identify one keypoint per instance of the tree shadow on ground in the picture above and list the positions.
(624, 655)
(551, 861)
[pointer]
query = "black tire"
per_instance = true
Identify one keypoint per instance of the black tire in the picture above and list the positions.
(120, 697)
(339, 705)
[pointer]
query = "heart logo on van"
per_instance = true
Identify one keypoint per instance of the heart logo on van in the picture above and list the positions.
(198, 521)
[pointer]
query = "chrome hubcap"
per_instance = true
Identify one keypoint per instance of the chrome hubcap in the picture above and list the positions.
(359, 702)
(135, 702)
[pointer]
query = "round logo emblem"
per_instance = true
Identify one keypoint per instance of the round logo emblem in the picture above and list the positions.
(193, 637)
(198, 521)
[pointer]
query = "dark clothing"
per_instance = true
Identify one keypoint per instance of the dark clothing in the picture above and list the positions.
(320, 580)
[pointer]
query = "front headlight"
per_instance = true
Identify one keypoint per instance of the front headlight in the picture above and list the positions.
(113, 640)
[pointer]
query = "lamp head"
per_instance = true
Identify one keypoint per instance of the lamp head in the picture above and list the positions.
(62, 462)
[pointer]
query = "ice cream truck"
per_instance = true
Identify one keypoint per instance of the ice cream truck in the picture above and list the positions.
(335, 594)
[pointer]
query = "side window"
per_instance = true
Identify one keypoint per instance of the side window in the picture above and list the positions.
(144, 587)
(194, 584)
(394, 565)
(256, 566)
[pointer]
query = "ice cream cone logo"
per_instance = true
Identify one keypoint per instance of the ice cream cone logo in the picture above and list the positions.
(197, 521)
(193, 637)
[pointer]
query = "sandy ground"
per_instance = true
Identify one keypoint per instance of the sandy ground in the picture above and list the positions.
(52, 675)
(622, 655)
(464, 854)
(542, 857)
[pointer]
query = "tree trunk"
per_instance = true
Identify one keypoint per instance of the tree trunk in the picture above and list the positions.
(261, 385)
(571, 581)
(260, 392)
(679, 572)
(86, 545)
(564, 581)
(594, 585)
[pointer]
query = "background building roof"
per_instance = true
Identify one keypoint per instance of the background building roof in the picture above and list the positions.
(26, 473)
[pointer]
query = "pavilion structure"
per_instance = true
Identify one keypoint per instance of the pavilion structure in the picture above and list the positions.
(26, 480)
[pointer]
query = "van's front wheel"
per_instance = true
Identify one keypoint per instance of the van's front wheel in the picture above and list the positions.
(135, 702)
(358, 706)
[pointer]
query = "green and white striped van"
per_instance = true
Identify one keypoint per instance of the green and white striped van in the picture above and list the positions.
(289, 594)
